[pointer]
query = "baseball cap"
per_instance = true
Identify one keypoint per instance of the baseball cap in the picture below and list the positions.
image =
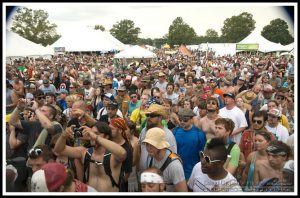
(157, 138)
(63, 91)
(274, 112)
(50, 177)
(109, 96)
(38, 93)
(112, 104)
(231, 95)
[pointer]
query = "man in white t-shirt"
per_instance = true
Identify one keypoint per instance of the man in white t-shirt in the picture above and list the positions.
(209, 175)
(281, 133)
(236, 115)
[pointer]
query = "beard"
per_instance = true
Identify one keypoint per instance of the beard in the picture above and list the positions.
(211, 110)
(150, 124)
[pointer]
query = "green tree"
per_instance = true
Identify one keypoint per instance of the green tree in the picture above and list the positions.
(211, 36)
(34, 26)
(181, 33)
(278, 32)
(238, 27)
(99, 27)
(125, 31)
(143, 41)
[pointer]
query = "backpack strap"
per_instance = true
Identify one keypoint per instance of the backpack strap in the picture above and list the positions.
(107, 169)
(230, 147)
(86, 164)
(171, 158)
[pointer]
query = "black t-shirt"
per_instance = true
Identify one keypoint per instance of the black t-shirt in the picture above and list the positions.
(21, 151)
(127, 163)
(170, 125)
(33, 130)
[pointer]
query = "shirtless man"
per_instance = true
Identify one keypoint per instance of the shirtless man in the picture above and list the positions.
(278, 154)
(99, 135)
(207, 123)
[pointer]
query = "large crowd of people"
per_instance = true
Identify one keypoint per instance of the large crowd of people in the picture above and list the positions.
(201, 123)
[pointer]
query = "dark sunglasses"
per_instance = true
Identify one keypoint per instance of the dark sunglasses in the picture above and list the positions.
(41, 97)
(280, 97)
(152, 115)
(133, 96)
(156, 97)
(211, 102)
(207, 158)
(34, 153)
(184, 119)
(257, 121)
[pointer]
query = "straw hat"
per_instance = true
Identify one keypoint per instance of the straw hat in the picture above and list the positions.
(157, 138)
(156, 109)
(249, 96)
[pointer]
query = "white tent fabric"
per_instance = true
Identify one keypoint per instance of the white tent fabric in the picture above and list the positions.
(264, 45)
(135, 52)
(220, 49)
(17, 46)
(86, 40)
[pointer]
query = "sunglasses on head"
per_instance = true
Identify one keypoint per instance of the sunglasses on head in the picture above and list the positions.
(257, 121)
(152, 115)
(207, 158)
(34, 153)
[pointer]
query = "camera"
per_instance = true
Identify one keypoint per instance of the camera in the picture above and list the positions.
(77, 132)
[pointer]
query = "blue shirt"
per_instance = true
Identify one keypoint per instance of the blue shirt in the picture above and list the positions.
(189, 144)
(132, 107)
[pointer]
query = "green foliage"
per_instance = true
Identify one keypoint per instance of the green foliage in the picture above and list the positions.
(181, 33)
(34, 26)
(238, 27)
(211, 36)
(278, 32)
(143, 41)
(125, 31)
(99, 27)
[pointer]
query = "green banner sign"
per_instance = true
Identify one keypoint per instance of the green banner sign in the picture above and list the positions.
(247, 46)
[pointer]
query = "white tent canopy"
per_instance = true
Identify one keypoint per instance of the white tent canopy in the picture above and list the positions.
(135, 52)
(87, 40)
(17, 46)
(220, 49)
(264, 45)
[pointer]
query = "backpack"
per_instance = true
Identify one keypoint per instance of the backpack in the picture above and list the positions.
(171, 158)
(106, 163)
(230, 147)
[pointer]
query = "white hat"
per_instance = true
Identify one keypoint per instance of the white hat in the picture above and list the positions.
(289, 165)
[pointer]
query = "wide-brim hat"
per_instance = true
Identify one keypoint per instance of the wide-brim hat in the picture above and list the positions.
(156, 109)
(248, 96)
(157, 138)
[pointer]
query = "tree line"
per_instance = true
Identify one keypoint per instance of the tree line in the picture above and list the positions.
(34, 26)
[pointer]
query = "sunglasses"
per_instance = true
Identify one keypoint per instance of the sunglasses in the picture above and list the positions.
(280, 98)
(152, 115)
(207, 158)
(156, 97)
(184, 119)
(34, 153)
(257, 121)
(211, 102)
(133, 96)
(40, 98)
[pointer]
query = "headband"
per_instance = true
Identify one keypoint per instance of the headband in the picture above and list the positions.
(151, 178)
(276, 151)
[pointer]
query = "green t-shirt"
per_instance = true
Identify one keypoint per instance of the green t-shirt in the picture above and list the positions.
(234, 158)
